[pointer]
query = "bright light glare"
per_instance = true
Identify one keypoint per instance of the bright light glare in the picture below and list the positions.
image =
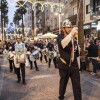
(98, 27)
(56, 13)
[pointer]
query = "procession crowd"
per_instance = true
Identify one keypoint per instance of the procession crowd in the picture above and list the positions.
(48, 50)
(15, 52)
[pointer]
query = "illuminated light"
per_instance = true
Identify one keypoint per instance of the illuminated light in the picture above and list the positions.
(45, 4)
(53, 6)
(93, 23)
(62, 14)
(56, 13)
(98, 27)
(63, 6)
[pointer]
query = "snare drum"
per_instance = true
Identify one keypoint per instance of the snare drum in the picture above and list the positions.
(36, 54)
(51, 55)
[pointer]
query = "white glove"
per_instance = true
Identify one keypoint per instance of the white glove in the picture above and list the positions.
(74, 31)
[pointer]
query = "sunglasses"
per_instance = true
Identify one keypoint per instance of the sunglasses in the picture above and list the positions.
(67, 27)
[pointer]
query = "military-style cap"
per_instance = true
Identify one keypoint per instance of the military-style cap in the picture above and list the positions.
(66, 23)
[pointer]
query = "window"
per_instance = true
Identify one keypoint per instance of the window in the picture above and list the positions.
(87, 9)
(98, 5)
(98, 2)
(74, 10)
(66, 1)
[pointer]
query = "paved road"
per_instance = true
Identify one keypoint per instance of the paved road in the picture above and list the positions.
(43, 85)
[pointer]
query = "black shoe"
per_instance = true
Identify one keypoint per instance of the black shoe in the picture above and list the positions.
(61, 98)
(18, 80)
(31, 68)
(37, 69)
(24, 83)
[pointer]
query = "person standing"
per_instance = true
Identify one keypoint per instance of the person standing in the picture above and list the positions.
(93, 55)
(20, 57)
(67, 64)
(11, 59)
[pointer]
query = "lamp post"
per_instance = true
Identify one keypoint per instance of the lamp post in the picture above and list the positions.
(59, 14)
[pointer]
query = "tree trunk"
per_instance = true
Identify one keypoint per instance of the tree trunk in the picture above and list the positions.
(32, 22)
(23, 27)
(4, 30)
(1, 23)
(80, 26)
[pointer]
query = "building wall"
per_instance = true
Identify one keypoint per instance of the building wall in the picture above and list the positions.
(87, 15)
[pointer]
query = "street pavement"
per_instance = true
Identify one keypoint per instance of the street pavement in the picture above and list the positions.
(43, 84)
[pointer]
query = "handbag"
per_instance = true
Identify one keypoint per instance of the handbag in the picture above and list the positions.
(21, 58)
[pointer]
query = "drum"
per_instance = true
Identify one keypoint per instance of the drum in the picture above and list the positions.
(31, 58)
(36, 54)
(44, 52)
(10, 56)
(21, 58)
(51, 55)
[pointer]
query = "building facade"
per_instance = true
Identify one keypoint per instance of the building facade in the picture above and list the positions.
(49, 21)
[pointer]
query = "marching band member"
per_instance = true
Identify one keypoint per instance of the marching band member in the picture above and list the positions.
(41, 46)
(9, 54)
(44, 52)
(34, 55)
(52, 56)
(28, 57)
(68, 66)
(11, 59)
(19, 59)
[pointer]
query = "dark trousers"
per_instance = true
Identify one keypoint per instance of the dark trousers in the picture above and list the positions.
(94, 63)
(22, 67)
(54, 61)
(45, 57)
(41, 56)
(31, 63)
(12, 66)
(75, 79)
(35, 63)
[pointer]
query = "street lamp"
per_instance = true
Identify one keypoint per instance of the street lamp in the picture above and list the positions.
(60, 14)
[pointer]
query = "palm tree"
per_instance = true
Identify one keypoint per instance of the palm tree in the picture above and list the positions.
(4, 12)
(22, 11)
(16, 18)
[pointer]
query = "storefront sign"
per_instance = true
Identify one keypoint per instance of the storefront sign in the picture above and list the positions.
(86, 26)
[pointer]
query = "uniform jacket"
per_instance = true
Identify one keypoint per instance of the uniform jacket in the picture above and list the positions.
(65, 53)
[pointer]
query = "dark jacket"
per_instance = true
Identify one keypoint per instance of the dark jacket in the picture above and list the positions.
(50, 46)
(92, 50)
(65, 53)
